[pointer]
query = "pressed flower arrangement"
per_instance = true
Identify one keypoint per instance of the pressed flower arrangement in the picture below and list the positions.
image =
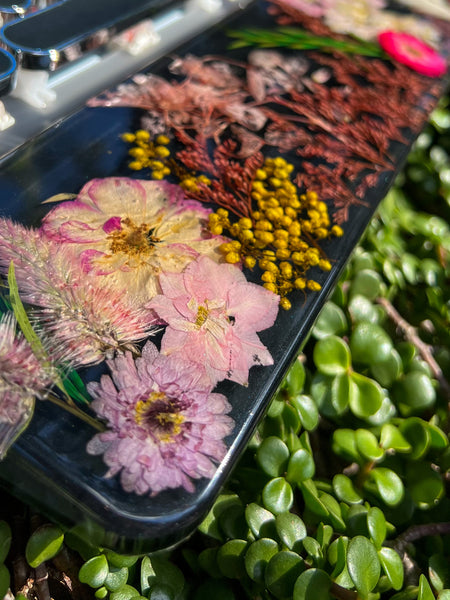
(144, 296)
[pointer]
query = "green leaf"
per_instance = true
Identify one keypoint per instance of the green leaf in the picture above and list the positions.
(116, 578)
(414, 393)
(313, 549)
(363, 564)
(331, 321)
(300, 467)
(424, 484)
(95, 571)
(232, 521)
(272, 456)
(307, 410)
(5, 580)
(277, 495)
(332, 355)
(388, 484)
(344, 489)
(120, 560)
(156, 570)
(370, 344)
(260, 520)
(334, 511)
(388, 371)
(439, 572)
(417, 435)
(101, 593)
(368, 398)
(312, 500)
(438, 438)
(425, 591)
(344, 444)
(362, 309)
(291, 529)
(392, 566)
(342, 387)
(258, 556)
(367, 445)
(5, 540)
(392, 439)
(22, 317)
(207, 560)
(282, 572)
(367, 283)
(127, 592)
(295, 379)
(312, 584)
(337, 555)
(230, 559)
(210, 525)
(376, 524)
(45, 543)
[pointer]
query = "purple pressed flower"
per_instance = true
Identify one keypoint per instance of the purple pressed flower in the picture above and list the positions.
(166, 427)
(82, 319)
(22, 379)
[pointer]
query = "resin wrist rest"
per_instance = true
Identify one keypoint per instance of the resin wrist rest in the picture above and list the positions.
(222, 131)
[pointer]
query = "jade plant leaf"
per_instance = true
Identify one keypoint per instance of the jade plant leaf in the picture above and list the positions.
(363, 564)
(44, 543)
(332, 355)
(95, 571)
(277, 495)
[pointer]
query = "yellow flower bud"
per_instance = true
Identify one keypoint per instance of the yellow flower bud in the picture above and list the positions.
(268, 277)
(232, 258)
(162, 139)
(313, 285)
(285, 304)
(300, 283)
(142, 135)
(128, 137)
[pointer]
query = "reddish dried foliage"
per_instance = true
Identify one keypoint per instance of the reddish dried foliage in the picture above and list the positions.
(345, 132)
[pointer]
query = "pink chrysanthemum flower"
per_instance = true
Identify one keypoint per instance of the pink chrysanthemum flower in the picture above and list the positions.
(213, 312)
(414, 53)
(22, 379)
(130, 231)
(82, 320)
(166, 427)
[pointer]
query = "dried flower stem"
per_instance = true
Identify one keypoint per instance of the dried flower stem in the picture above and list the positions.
(417, 532)
(424, 349)
(77, 412)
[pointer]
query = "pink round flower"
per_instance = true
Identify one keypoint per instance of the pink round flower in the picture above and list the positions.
(129, 231)
(213, 312)
(166, 426)
(22, 379)
(413, 52)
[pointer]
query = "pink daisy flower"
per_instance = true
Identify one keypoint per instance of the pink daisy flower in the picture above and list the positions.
(22, 379)
(130, 231)
(414, 53)
(166, 426)
(213, 312)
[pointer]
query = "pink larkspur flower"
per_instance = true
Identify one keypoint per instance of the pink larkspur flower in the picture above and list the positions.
(81, 319)
(414, 53)
(166, 427)
(214, 312)
(129, 231)
(22, 379)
